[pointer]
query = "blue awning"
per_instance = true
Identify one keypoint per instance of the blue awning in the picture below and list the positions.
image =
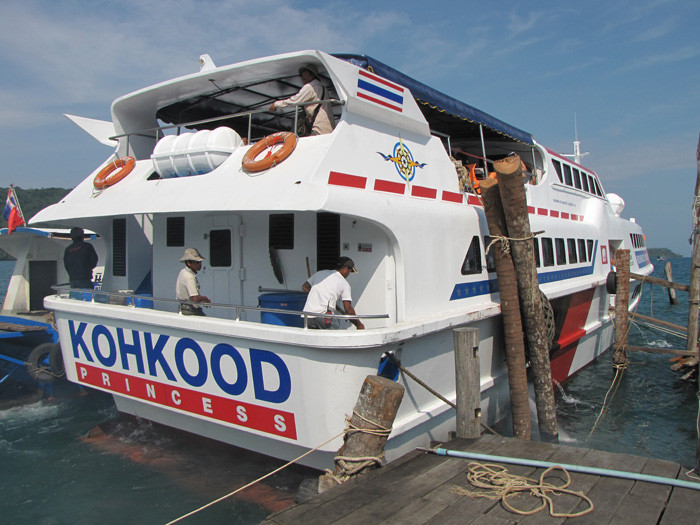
(428, 96)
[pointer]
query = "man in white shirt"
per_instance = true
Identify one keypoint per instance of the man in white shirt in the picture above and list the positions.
(187, 287)
(312, 90)
(325, 288)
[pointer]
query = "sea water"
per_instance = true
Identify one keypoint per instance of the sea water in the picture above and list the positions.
(51, 472)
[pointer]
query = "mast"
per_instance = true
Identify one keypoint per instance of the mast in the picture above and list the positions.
(577, 146)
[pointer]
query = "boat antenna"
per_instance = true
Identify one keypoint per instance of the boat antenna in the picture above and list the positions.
(577, 146)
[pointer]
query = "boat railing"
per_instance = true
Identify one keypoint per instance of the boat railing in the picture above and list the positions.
(130, 299)
(157, 132)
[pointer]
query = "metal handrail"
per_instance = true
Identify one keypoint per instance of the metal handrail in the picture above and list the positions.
(237, 308)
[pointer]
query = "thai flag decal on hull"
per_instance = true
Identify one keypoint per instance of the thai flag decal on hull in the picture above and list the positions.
(380, 91)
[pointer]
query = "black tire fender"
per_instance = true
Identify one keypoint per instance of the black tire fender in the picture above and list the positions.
(45, 362)
(611, 283)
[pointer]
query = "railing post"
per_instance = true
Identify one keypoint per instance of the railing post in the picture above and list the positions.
(468, 381)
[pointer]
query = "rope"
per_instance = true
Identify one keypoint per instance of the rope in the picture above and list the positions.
(500, 485)
(255, 481)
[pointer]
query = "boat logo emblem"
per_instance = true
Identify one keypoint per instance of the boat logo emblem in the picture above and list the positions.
(403, 161)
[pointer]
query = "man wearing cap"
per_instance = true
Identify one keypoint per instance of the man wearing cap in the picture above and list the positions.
(325, 288)
(187, 288)
(79, 260)
(321, 117)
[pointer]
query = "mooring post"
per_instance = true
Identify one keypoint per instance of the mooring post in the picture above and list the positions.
(622, 299)
(468, 379)
(510, 184)
(510, 311)
(368, 430)
(669, 277)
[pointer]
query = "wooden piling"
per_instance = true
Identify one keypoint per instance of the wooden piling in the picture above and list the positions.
(694, 294)
(510, 312)
(368, 430)
(510, 183)
(468, 382)
(668, 271)
(622, 296)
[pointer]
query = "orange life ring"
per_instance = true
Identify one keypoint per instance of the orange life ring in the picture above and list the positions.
(271, 159)
(106, 178)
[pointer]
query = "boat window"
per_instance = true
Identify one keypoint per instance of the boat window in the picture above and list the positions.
(119, 247)
(472, 262)
(327, 240)
(561, 250)
(220, 248)
(175, 231)
(536, 247)
(589, 242)
(584, 182)
(597, 188)
(557, 168)
(567, 175)
(281, 231)
(591, 184)
(577, 179)
(547, 251)
(571, 244)
(582, 251)
(490, 260)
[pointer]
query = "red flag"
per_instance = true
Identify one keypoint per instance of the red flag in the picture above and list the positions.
(12, 212)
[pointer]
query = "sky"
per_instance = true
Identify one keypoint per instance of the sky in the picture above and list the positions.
(623, 75)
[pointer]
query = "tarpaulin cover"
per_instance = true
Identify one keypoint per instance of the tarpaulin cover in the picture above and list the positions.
(428, 95)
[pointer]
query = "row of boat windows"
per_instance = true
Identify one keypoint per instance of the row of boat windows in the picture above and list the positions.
(548, 252)
(638, 240)
(576, 178)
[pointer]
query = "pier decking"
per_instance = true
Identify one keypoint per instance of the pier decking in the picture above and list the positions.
(418, 489)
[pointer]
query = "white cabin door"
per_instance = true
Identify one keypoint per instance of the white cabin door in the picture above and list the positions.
(222, 275)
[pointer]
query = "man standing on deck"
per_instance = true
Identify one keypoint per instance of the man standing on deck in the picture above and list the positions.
(79, 260)
(319, 115)
(187, 287)
(325, 288)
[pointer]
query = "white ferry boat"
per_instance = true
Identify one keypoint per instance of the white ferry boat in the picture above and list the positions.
(381, 189)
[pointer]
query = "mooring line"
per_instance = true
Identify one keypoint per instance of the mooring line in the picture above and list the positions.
(255, 481)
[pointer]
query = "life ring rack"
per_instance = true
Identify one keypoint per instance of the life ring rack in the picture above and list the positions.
(270, 160)
(108, 176)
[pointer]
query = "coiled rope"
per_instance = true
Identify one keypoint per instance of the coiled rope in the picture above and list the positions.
(499, 484)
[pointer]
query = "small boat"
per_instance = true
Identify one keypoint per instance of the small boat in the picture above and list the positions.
(382, 189)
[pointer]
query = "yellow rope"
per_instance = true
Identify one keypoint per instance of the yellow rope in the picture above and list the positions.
(499, 484)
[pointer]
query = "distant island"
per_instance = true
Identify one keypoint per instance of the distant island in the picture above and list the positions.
(662, 252)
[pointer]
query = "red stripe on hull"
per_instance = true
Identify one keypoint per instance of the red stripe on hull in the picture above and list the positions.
(572, 330)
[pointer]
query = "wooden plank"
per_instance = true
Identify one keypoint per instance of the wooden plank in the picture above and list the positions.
(662, 282)
(682, 506)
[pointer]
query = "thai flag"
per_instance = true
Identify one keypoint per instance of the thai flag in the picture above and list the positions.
(12, 212)
(380, 91)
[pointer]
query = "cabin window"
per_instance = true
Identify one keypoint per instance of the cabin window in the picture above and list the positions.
(327, 240)
(536, 248)
(119, 247)
(577, 179)
(567, 175)
(561, 250)
(591, 184)
(472, 262)
(175, 231)
(281, 231)
(589, 242)
(547, 252)
(220, 248)
(582, 251)
(557, 168)
(571, 245)
(597, 188)
(490, 260)
(584, 182)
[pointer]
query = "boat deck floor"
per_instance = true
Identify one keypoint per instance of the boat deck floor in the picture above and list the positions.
(419, 488)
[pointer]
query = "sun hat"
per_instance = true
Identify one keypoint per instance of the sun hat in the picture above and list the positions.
(191, 254)
(310, 67)
(346, 261)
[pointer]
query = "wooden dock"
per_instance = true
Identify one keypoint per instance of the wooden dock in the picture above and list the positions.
(419, 489)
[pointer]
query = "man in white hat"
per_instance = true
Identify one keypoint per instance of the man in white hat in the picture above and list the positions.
(187, 288)
(319, 115)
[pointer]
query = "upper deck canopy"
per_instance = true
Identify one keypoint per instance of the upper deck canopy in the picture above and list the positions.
(439, 102)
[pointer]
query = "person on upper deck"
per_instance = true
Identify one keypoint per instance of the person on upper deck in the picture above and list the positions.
(79, 260)
(325, 288)
(319, 115)
(187, 287)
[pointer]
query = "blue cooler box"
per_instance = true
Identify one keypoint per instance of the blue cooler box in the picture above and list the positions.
(283, 301)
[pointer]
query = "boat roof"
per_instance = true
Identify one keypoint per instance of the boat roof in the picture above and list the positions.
(437, 101)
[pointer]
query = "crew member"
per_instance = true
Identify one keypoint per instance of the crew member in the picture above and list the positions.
(79, 260)
(320, 116)
(325, 288)
(187, 288)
